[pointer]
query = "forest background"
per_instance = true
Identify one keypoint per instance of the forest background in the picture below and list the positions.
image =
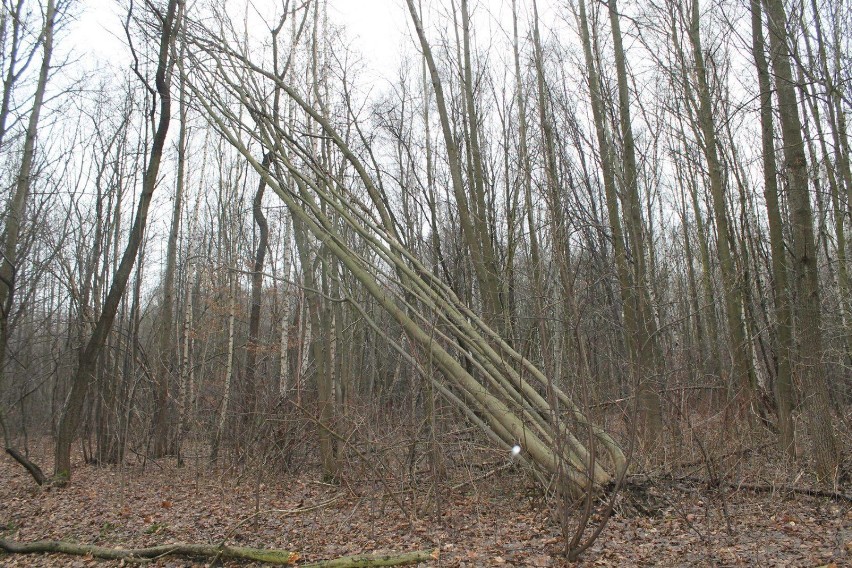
(613, 236)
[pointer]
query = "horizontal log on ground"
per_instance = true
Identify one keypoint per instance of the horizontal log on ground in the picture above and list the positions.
(272, 556)
(268, 556)
(370, 560)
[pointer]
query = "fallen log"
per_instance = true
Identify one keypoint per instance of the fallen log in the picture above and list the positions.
(275, 557)
(271, 556)
(370, 560)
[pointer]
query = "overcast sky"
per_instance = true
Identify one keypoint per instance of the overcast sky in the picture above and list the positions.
(377, 29)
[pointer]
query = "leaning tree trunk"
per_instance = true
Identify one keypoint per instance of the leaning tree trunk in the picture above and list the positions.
(495, 383)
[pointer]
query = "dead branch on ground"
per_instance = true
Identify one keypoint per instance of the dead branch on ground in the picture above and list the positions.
(275, 557)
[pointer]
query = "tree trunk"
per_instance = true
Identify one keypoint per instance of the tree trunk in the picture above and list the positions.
(645, 330)
(16, 213)
(71, 417)
(637, 335)
(742, 384)
(809, 364)
(163, 442)
(253, 345)
(488, 375)
(284, 382)
(215, 552)
(222, 419)
(784, 393)
(471, 212)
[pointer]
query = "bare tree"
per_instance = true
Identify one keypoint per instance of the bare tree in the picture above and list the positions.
(71, 414)
(163, 435)
(17, 209)
(784, 320)
(809, 361)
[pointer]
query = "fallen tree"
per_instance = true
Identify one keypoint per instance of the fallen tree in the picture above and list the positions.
(369, 560)
(273, 556)
(349, 213)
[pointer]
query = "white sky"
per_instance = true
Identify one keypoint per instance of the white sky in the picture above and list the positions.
(377, 29)
(98, 22)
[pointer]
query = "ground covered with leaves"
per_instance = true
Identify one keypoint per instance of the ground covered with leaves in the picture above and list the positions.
(491, 515)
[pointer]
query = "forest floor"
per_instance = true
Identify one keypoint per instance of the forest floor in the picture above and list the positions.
(490, 520)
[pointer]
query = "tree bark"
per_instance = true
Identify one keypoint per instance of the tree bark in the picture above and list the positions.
(211, 551)
(370, 560)
(34, 470)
